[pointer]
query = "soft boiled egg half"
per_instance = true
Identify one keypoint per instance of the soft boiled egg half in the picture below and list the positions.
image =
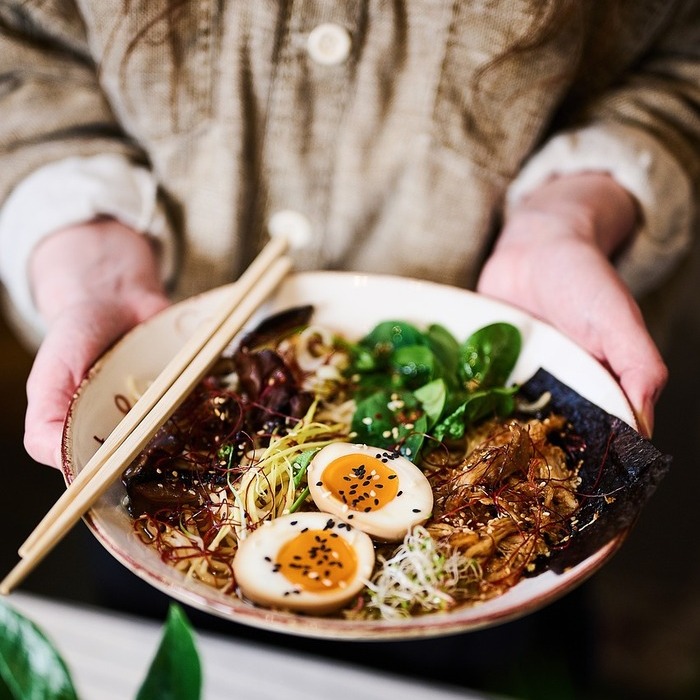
(375, 490)
(307, 562)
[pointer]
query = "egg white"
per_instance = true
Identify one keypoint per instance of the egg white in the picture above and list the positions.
(260, 579)
(411, 506)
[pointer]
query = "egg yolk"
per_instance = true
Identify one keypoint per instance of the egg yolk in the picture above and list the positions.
(317, 560)
(362, 482)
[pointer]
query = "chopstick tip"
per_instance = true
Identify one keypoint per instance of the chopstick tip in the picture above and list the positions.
(21, 570)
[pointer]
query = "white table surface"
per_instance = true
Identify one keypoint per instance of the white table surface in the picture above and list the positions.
(108, 655)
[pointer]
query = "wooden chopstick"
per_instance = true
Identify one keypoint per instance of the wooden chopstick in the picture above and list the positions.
(154, 407)
(179, 363)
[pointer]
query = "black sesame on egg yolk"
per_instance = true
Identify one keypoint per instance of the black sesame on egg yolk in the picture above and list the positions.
(317, 560)
(360, 481)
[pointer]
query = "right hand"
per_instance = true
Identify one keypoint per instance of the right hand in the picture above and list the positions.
(91, 284)
(552, 259)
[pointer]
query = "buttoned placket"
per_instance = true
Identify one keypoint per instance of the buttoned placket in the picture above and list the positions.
(309, 93)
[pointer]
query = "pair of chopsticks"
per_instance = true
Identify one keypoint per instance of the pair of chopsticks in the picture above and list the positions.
(155, 406)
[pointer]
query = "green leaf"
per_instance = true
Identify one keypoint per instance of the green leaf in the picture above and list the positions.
(432, 397)
(388, 336)
(488, 356)
(300, 464)
(30, 666)
(414, 364)
(175, 672)
(445, 348)
(497, 401)
(414, 441)
(390, 420)
(363, 359)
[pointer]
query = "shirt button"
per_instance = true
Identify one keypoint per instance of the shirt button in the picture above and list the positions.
(291, 224)
(329, 44)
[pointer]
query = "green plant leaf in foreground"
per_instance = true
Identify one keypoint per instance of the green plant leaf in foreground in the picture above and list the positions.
(30, 667)
(175, 672)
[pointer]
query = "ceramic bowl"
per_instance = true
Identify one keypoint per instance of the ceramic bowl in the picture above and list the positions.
(352, 304)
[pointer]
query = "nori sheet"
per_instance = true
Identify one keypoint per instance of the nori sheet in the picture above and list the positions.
(620, 470)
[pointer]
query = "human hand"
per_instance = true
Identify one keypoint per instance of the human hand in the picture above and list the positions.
(91, 283)
(552, 259)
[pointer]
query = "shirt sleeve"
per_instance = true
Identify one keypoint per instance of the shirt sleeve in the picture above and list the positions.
(639, 163)
(644, 130)
(64, 157)
(68, 192)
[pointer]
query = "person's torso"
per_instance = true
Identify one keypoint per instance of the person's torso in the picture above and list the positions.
(389, 131)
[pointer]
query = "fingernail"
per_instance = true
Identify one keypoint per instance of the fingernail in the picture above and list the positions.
(645, 422)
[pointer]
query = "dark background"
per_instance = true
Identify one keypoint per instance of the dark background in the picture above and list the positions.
(632, 631)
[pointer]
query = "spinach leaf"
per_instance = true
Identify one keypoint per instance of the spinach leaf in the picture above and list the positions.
(362, 358)
(414, 365)
(394, 355)
(487, 357)
(432, 397)
(445, 348)
(390, 420)
(367, 384)
(30, 667)
(497, 401)
(375, 349)
(389, 335)
(442, 386)
(175, 672)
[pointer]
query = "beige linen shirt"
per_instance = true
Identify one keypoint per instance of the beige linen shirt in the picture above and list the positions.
(393, 133)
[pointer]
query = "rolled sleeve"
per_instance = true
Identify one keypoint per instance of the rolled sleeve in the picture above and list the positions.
(639, 163)
(69, 192)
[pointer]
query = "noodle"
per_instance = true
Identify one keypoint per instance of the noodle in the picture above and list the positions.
(235, 453)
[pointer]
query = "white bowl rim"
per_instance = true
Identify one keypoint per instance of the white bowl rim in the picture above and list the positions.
(463, 619)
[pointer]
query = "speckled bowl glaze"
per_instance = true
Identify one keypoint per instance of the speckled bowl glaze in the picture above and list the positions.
(350, 303)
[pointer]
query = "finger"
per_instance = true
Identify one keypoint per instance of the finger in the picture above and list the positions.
(148, 304)
(46, 446)
(73, 343)
(643, 385)
(50, 386)
(633, 358)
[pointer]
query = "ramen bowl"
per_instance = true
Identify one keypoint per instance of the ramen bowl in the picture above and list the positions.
(350, 304)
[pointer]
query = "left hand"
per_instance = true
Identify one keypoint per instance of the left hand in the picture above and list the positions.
(552, 259)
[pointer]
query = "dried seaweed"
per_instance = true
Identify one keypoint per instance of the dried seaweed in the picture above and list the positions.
(619, 473)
